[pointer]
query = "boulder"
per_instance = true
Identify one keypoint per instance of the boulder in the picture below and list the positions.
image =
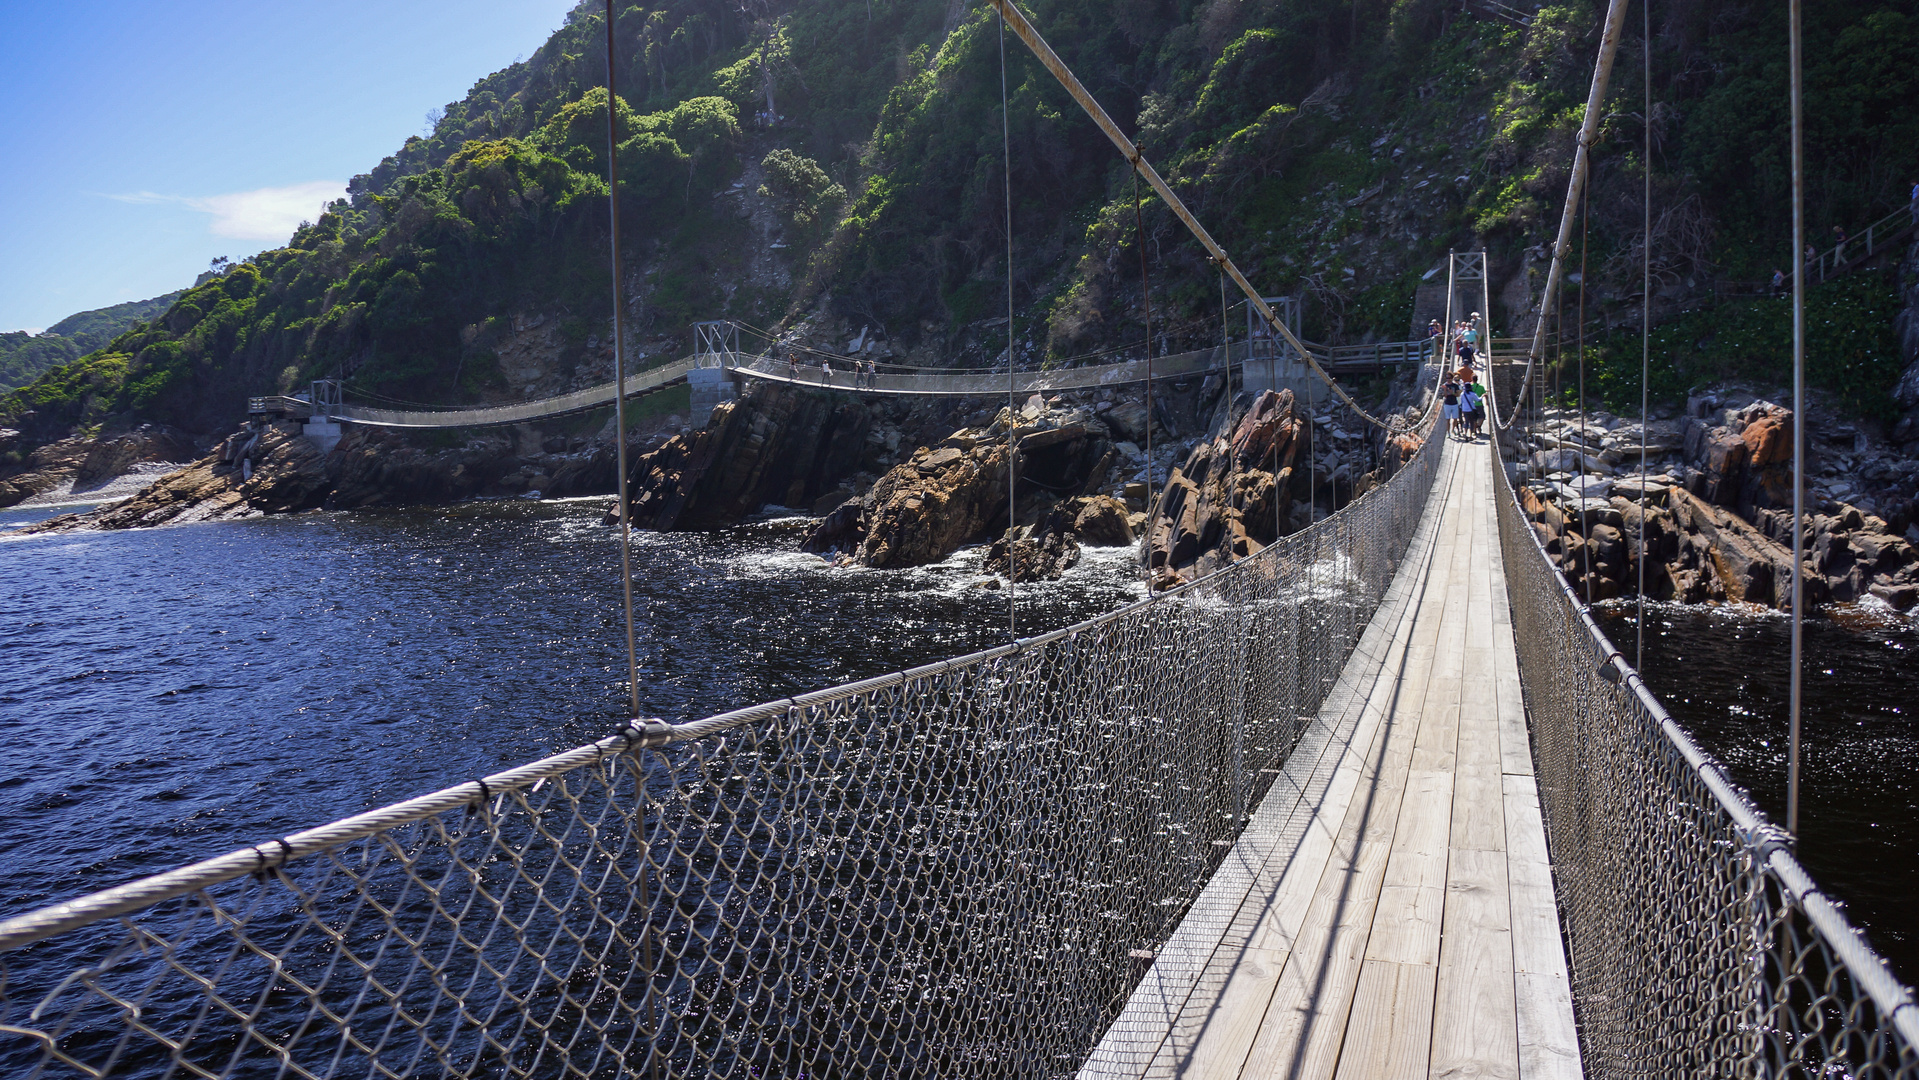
(1102, 522)
(1042, 552)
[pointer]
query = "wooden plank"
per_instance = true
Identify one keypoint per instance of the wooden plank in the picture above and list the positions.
(1548, 1041)
(1212, 1031)
(1389, 1035)
(1475, 1031)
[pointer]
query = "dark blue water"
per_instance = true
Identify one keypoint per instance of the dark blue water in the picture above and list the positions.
(171, 694)
(1723, 672)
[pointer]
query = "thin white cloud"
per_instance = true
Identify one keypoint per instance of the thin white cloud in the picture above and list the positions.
(268, 213)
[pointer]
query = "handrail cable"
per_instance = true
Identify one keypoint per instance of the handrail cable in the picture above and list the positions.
(1011, 12)
(1767, 847)
(1588, 129)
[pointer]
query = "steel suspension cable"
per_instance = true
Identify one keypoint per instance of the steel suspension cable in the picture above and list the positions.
(1798, 424)
(1585, 528)
(1645, 328)
(1012, 415)
(1146, 302)
(626, 510)
(1024, 28)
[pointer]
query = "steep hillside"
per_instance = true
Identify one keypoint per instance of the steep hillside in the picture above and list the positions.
(836, 163)
(24, 356)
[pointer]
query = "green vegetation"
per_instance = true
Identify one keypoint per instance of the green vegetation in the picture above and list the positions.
(24, 356)
(1335, 149)
(1850, 349)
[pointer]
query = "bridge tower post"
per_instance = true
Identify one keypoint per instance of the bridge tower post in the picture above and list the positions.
(322, 429)
(1271, 363)
(716, 351)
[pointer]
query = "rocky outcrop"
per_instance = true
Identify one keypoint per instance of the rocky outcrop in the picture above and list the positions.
(945, 497)
(1234, 494)
(263, 469)
(1697, 552)
(88, 463)
(1720, 487)
(1041, 552)
(776, 445)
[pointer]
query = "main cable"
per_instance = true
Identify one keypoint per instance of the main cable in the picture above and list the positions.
(1012, 416)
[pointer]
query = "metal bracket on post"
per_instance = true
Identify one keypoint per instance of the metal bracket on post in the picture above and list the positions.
(716, 349)
(716, 343)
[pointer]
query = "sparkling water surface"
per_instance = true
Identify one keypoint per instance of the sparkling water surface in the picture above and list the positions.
(172, 694)
(1723, 673)
(176, 693)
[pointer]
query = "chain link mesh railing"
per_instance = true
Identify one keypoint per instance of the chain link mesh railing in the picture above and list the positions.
(959, 870)
(1698, 944)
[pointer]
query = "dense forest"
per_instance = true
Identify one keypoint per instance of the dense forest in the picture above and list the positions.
(1337, 149)
(24, 356)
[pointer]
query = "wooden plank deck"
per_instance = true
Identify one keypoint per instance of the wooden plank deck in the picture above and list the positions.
(1389, 910)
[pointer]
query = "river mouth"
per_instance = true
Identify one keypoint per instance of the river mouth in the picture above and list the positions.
(1722, 671)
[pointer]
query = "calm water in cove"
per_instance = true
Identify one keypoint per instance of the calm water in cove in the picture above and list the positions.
(173, 694)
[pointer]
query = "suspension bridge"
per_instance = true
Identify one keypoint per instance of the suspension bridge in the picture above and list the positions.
(1379, 799)
(723, 362)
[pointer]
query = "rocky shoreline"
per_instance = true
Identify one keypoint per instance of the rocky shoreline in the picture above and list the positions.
(898, 483)
(1717, 523)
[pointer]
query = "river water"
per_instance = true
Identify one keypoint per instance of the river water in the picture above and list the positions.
(176, 693)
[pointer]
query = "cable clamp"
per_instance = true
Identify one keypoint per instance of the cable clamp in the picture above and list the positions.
(648, 734)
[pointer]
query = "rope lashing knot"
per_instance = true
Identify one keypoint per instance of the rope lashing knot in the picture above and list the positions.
(476, 804)
(266, 863)
(1765, 839)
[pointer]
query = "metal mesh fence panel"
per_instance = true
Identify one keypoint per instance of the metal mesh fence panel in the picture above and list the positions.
(959, 870)
(1698, 944)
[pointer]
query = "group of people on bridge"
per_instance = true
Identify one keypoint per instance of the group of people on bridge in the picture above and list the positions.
(864, 371)
(1462, 394)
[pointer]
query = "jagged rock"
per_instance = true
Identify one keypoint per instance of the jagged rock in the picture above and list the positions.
(282, 472)
(1037, 553)
(776, 445)
(1222, 505)
(916, 515)
(1103, 522)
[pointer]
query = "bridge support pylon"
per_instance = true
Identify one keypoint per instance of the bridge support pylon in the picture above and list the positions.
(1270, 362)
(716, 351)
(321, 428)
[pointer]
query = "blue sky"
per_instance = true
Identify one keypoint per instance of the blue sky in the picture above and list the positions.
(139, 140)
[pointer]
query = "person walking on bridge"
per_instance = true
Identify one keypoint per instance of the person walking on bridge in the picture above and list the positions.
(1449, 395)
